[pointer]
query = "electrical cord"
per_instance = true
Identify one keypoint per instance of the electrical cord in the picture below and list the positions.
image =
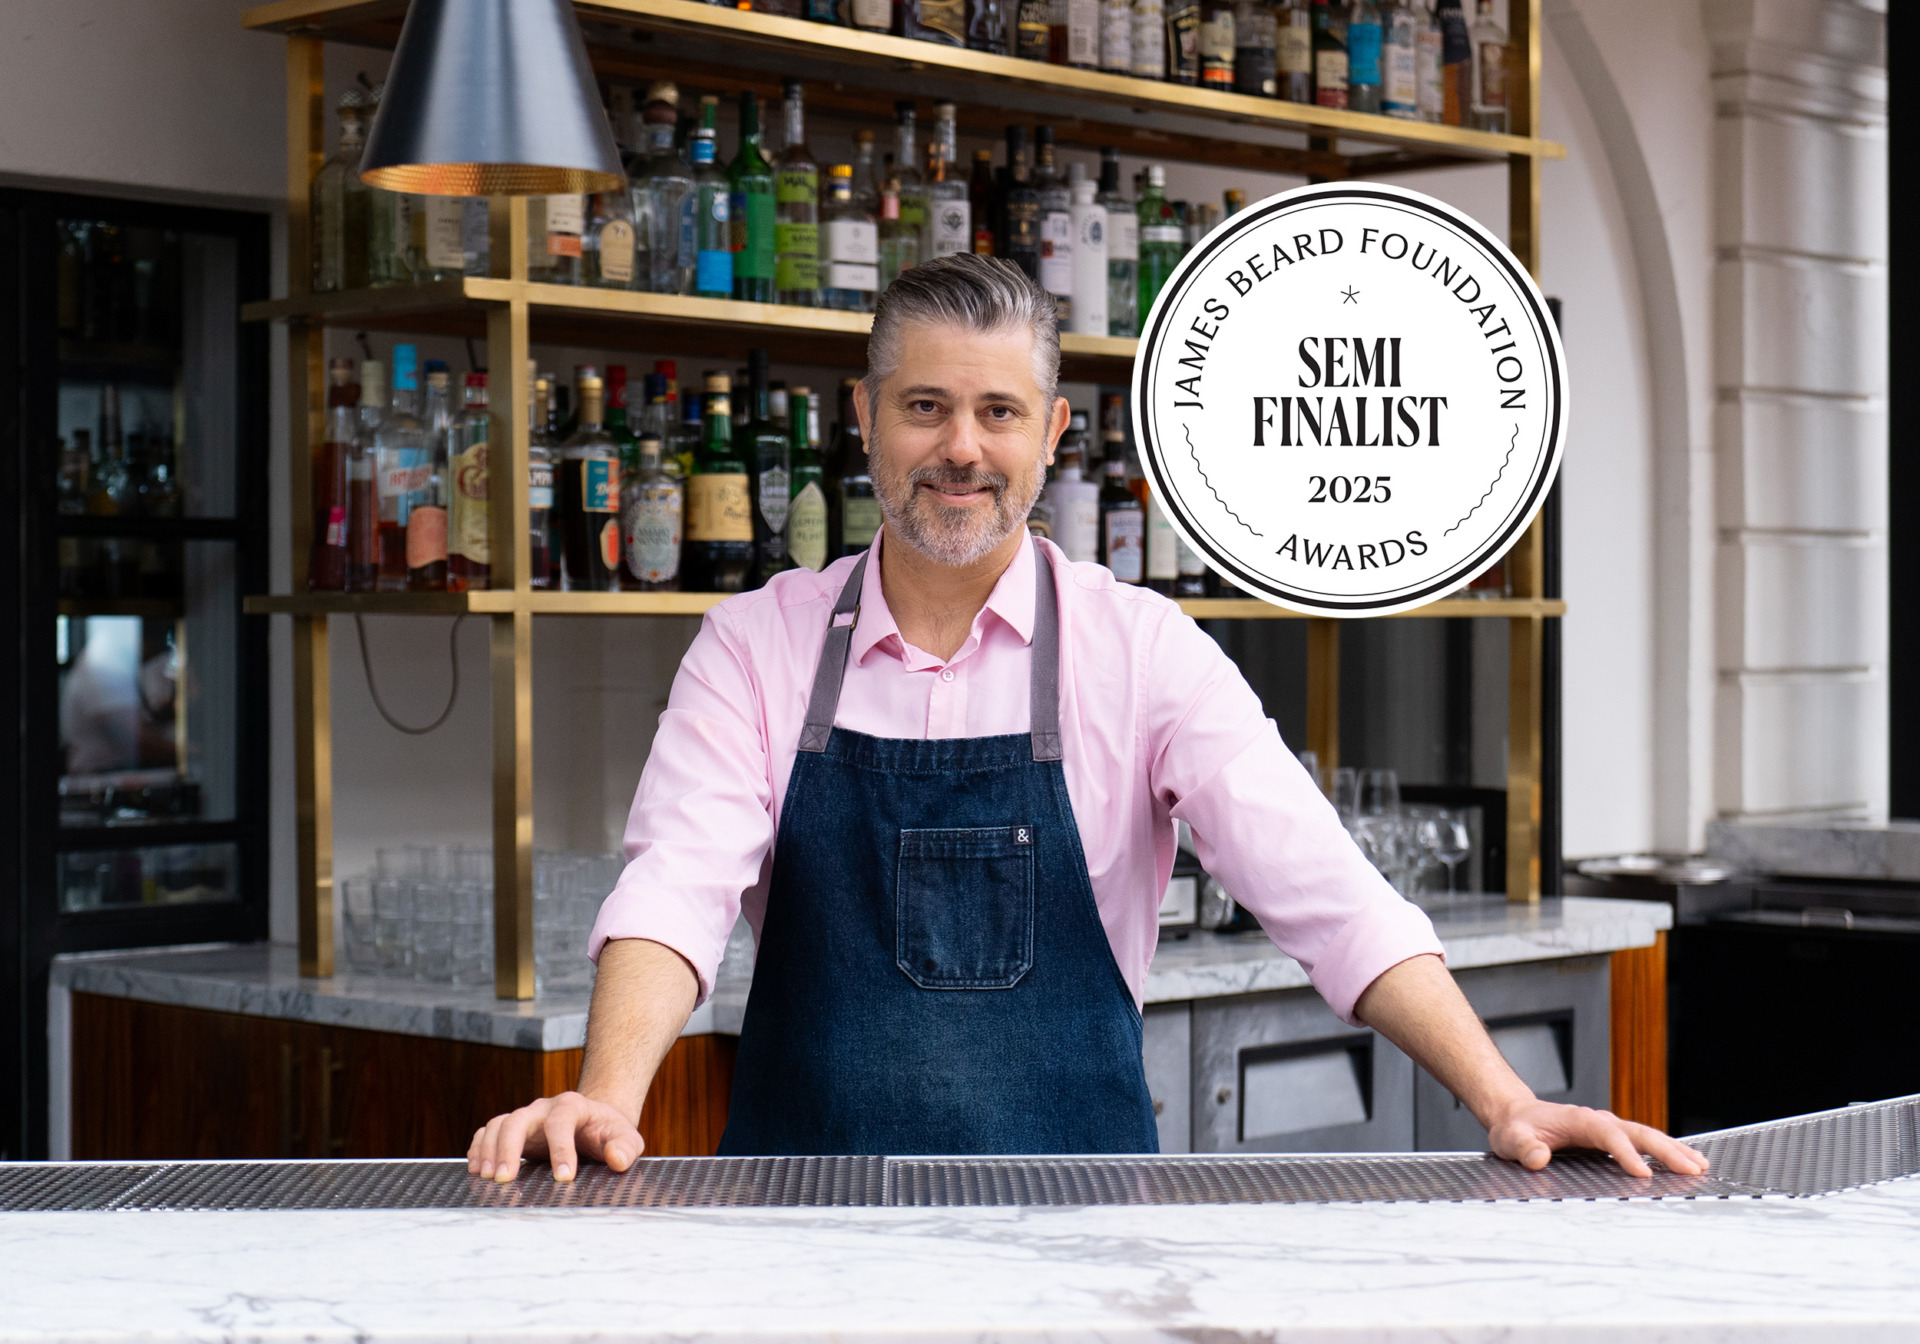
(453, 692)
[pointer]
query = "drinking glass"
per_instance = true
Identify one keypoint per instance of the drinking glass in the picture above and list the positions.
(356, 908)
(1380, 793)
(1346, 792)
(1445, 836)
(471, 899)
(394, 871)
(433, 932)
(1310, 762)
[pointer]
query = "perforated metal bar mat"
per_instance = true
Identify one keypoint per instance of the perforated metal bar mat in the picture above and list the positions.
(1811, 1155)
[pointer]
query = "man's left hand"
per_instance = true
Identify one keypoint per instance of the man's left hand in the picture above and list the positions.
(1531, 1132)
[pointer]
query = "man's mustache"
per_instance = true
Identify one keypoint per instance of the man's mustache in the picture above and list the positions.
(959, 478)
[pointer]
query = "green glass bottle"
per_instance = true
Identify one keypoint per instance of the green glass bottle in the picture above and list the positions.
(807, 515)
(762, 445)
(751, 208)
(619, 429)
(1160, 239)
(719, 532)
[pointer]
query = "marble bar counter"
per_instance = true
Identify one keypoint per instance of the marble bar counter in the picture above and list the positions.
(1886, 851)
(263, 979)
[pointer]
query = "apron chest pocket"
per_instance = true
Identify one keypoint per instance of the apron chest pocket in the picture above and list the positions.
(963, 907)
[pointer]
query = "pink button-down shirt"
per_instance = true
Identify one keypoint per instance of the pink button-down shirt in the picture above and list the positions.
(1156, 722)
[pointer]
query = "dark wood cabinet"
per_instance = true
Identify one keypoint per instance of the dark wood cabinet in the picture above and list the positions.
(155, 1081)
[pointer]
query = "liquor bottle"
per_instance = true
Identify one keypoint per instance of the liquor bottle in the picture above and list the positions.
(541, 560)
(437, 238)
(1160, 238)
(718, 555)
(906, 167)
(1149, 39)
(807, 514)
(980, 203)
(339, 207)
(557, 434)
(327, 556)
(685, 443)
(1293, 50)
(614, 418)
(427, 517)
(1123, 249)
(988, 28)
(389, 234)
(1400, 71)
(899, 241)
(1183, 41)
(1074, 36)
(1232, 202)
(1329, 54)
(1116, 36)
(1088, 312)
(469, 528)
(712, 205)
(1429, 64)
(760, 440)
(1033, 29)
(1364, 41)
(609, 245)
(1489, 71)
(865, 186)
(363, 499)
(1056, 226)
(1123, 523)
(1201, 220)
(751, 209)
(1019, 240)
(796, 194)
(949, 209)
(1216, 45)
(876, 16)
(400, 468)
(1256, 58)
(1073, 499)
(590, 497)
(1163, 553)
(852, 263)
(652, 507)
(554, 227)
(664, 199)
(1190, 571)
(942, 21)
(1456, 64)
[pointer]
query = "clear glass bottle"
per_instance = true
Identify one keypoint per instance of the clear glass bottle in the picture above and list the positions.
(437, 246)
(866, 187)
(851, 264)
(751, 210)
(339, 208)
(1293, 50)
(540, 557)
(949, 208)
(1149, 39)
(906, 167)
(555, 225)
(1161, 240)
(989, 26)
(1489, 71)
(1123, 249)
(899, 240)
(1330, 64)
(1429, 63)
(1256, 58)
(796, 194)
(389, 233)
(589, 471)
(469, 527)
(718, 553)
(713, 208)
(652, 513)
(427, 517)
(1365, 39)
(1056, 227)
(664, 198)
(807, 514)
(609, 246)
(401, 467)
(363, 498)
(1400, 68)
(332, 456)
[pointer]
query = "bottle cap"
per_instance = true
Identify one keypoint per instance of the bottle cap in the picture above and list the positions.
(791, 87)
(799, 391)
(663, 91)
(649, 445)
(373, 383)
(719, 382)
(406, 363)
(903, 108)
(840, 170)
(1156, 175)
(1076, 172)
(476, 380)
(1083, 191)
(863, 136)
(340, 371)
(1078, 422)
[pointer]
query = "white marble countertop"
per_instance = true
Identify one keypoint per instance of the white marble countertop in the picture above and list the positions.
(1888, 850)
(264, 980)
(1846, 1266)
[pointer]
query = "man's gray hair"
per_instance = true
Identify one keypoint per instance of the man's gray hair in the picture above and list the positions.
(976, 293)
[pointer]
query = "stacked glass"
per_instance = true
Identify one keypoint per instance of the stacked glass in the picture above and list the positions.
(1404, 841)
(567, 892)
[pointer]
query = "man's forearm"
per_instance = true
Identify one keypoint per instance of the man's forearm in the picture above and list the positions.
(642, 998)
(1418, 1007)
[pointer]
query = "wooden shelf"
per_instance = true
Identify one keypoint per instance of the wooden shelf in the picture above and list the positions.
(716, 49)
(621, 319)
(693, 604)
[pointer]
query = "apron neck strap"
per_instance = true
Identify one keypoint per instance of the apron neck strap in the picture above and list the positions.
(824, 700)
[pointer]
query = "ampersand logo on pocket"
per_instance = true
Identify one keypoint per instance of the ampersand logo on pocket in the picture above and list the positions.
(1350, 399)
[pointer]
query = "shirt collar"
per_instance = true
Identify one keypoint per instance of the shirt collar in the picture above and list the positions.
(1011, 601)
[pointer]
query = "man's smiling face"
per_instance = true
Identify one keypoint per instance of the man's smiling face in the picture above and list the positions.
(960, 436)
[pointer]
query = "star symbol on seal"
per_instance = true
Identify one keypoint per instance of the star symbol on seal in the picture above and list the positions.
(1350, 295)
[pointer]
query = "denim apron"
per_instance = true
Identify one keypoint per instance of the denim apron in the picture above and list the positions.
(933, 976)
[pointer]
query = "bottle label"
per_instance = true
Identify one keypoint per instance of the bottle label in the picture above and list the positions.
(1294, 49)
(913, 208)
(1056, 253)
(599, 492)
(403, 473)
(540, 485)
(444, 224)
(1033, 30)
(1023, 226)
(426, 536)
(752, 224)
(948, 18)
(1188, 560)
(1330, 78)
(470, 533)
(610, 545)
(1183, 41)
(1083, 32)
(1363, 53)
(1456, 47)
(718, 508)
(1401, 92)
(876, 14)
(1091, 232)
(1216, 50)
(1076, 524)
(1149, 40)
(851, 275)
(853, 240)
(796, 265)
(616, 251)
(1126, 544)
(775, 498)
(1163, 560)
(1160, 233)
(1493, 76)
(566, 214)
(1123, 234)
(950, 226)
(652, 533)
(1432, 100)
(859, 521)
(1116, 36)
(713, 273)
(336, 531)
(807, 528)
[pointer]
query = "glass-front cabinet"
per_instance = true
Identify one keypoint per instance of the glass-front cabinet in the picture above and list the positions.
(138, 413)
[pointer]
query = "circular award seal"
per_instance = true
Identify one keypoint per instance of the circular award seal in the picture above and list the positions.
(1350, 399)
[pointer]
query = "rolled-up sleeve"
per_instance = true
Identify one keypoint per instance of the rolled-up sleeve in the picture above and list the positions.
(1263, 828)
(701, 824)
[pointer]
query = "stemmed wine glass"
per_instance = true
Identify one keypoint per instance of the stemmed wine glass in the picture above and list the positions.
(1445, 837)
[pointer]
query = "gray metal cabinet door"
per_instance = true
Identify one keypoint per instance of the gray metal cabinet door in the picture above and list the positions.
(1279, 1073)
(1169, 1060)
(1549, 1019)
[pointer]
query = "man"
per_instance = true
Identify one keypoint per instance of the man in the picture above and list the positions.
(940, 779)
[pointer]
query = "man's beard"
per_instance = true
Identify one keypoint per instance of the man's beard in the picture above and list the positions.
(941, 532)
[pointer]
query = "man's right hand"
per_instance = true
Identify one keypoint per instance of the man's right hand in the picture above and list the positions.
(561, 1129)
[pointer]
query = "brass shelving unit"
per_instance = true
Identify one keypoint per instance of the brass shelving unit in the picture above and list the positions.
(852, 72)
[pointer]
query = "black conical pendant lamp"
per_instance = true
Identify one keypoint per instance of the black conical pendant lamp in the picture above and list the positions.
(491, 98)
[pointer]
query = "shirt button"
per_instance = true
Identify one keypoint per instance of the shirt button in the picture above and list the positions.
(947, 675)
